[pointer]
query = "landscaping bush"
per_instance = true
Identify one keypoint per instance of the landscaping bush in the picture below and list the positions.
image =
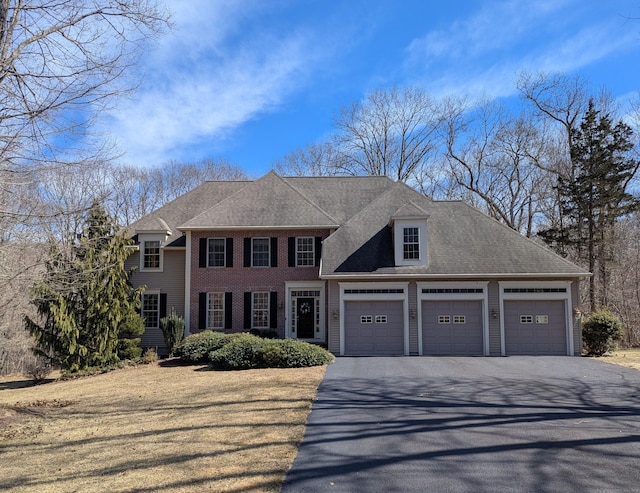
(195, 348)
(129, 349)
(246, 351)
(172, 331)
(290, 353)
(600, 331)
(242, 352)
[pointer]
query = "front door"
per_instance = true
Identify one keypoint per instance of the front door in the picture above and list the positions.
(305, 315)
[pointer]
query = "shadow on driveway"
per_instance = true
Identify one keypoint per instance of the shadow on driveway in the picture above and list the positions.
(543, 424)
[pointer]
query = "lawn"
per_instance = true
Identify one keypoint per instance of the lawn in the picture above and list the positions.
(153, 428)
(624, 357)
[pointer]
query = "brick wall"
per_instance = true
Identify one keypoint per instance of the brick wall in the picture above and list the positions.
(239, 279)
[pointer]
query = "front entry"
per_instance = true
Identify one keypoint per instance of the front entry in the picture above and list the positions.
(305, 317)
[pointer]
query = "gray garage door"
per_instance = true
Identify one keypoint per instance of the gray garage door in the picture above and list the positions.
(535, 327)
(373, 328)
(452, 327)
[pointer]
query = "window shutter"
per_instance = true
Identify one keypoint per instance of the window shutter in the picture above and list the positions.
(247, 252)
(274, 252)
(163, 305)
(229, 253)
(202, 311)
(318, 251)
(202, 254)
(247, 310)
(273, 310)
(227, 310)
(292, 251)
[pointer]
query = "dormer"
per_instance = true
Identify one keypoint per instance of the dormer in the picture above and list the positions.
(409, 225)
(151, 245)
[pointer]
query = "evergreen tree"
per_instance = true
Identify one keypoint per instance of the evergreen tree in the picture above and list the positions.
(85, 301)
(595, 197)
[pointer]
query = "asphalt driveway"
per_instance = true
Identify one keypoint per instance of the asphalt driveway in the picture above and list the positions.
(525, 424)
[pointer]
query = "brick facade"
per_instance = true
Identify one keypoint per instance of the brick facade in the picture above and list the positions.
(239, 279)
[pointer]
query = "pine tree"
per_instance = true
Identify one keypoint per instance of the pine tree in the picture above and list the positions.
(595, 197)
(85, 302)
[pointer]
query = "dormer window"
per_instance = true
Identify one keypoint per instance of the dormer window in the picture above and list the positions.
(151, 252)
(411, 243)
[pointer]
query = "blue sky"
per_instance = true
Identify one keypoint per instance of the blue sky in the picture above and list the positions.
(250, 81)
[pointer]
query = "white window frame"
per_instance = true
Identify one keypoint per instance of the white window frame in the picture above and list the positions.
(410, 249)
(211, 311)
(224, 252)
(311, 261)
(145, 238)
(253, 252)
(143, 311)
(255, 310)
(399, 227)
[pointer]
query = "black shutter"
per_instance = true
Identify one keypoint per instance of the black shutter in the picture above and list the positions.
(274, 252)
(229, 253)
(273, 310)
(202, 254)
(247, 252)
(292, 251)
(202, 311)
(163, 305)
(227, 310)
(318, 251)
(247, 310)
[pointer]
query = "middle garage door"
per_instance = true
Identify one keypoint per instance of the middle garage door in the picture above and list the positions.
(452, 327)
(373, 328)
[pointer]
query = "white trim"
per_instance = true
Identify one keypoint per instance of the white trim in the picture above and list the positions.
(187, 286)
(148, 292)
(310, 286)
(398, 242)
(566, 297)
(484, 297)
(224, 259)
(142, 239)
(404, 297)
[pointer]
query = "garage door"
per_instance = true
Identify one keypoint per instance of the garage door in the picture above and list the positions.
(535, 327)
(373, 328)
(452, 327)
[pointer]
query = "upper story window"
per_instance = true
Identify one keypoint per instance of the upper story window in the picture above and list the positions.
(151, 254)
(260, 252)
(216, 253)
(305, 251)
(411, 243)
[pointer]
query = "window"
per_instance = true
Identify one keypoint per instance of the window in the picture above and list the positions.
(260, 310)
(459, 319)
(381, 319)
(305, 251)
(411, 243)
(151, 254)
(260, 252)
(215, 310)
(366, 319)
(542, 319)
(151, 310)
(216, 252)
(526, 319)
(444, 319)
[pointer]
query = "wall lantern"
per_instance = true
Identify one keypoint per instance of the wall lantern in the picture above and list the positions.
(335, 314)
(412, 313)
(494, 313)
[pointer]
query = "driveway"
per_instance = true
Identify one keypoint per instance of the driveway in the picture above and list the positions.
(438, 424)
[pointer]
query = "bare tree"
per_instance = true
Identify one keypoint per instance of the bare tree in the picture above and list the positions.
(392, 132)
(318, 159)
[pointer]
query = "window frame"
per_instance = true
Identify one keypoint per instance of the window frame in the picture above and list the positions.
(310, 254)
(156, 254)
(254, 253)
(210, 252)
(144, 311)
(263, 308)
(411, 249)
(220, 310)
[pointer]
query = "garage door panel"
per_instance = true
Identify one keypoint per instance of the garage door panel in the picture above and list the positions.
(535, 327)
(452, 327)
(383, 335)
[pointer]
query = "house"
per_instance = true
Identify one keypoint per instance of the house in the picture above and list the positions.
(363, 265)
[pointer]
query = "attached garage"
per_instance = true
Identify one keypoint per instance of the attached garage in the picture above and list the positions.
(452, 327)
(535, 327)
(373, 328)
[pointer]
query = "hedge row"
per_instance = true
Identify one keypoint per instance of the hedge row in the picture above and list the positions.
(245, 351)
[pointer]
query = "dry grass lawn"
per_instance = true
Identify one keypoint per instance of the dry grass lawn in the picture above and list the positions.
(155, 429)
(624, 357)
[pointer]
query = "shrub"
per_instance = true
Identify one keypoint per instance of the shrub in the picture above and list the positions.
(38, 371)
(172, 330)
(242, 352)
(129, 349)
(290, 353)
(150, 356)
(195, 348)
(600, 331)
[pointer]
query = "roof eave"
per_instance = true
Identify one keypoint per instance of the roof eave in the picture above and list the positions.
(360, 275)
(258, 228)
